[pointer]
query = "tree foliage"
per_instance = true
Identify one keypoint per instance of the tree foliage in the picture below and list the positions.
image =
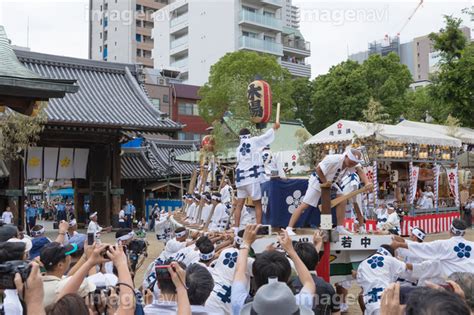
(226, 89)
(302, 92)
(341, 93)
(375, 113)
(18, 132)
(450, 41)
(453, 84)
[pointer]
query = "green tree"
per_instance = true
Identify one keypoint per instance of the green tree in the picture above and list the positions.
(18, 132)
(342, 93)
(302, 91)
(375, 113)
(388, 80)
(450, 41)
(419, 103)
(453, 84)
(226, 89)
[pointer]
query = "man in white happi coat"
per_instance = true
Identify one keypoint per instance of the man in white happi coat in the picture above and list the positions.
(206, 209)
(351, 183)
(249, 172)
(220, 217)
(227, 192)
(329, 172)
(271, 166)
(417, 235)
(452, 255)
(375, 274)
(193, 208)
(162, 226)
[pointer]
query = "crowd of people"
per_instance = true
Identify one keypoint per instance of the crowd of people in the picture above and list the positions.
(219, 272)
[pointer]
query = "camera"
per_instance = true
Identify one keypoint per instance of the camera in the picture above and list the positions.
(8, 271)
(135, 249)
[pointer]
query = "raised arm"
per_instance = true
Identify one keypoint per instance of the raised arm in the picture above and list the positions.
(118, 257)
(63, 227)
(303, 272)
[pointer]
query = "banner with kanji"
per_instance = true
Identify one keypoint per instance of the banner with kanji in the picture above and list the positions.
(371, 173)
(453, 180)
(414, 173)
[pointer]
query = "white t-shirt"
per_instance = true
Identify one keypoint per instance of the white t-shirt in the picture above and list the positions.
(7, 217)
(94, 228)
(332, 168)
(11, 303)
(122, 216)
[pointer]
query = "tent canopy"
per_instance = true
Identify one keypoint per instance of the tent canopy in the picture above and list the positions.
(346, 130)
(64, 192)
(466, 135)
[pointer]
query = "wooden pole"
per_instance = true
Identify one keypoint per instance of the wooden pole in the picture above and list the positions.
(210, 217)
(278, 113)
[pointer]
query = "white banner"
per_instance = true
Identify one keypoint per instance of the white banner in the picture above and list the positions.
(50, 163)
(453, 180)
(81, 157)
(66, 163)
(34, 163)
(414, 172)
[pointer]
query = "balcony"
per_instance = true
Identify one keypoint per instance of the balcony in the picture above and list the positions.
(273, 3)
(264, 46)
(179, 20)
(297, 69)
(183, 40)
(180, 64)
(145, 45)
(260, 20)
(151, 4)
(146, 61)
(297, 47)
(144, 31)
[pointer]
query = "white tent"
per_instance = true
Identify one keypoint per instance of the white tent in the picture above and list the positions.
(346, 130)
(466, 135)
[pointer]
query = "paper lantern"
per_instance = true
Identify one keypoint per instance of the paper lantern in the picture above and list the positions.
(259, 97)
(208, 143)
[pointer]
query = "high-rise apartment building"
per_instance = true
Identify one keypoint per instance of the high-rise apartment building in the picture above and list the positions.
(192, 35)
(290, 14)
(418, 55)
(120, 30)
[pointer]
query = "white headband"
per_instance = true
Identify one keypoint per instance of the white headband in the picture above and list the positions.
(383, 251)
(247, 136)
(72, 222)
(92, 215)
(206, 257)
(180, 234)
(352, 157)
(39, 232)
(456, 231)
(216, 198)
(126, 237)
(418, 233)
(205, 197)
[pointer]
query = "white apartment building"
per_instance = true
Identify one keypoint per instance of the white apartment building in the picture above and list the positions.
(120, 30)
(291, 14)
(192, 35)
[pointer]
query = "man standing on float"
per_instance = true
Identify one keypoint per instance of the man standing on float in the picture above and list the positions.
(329, 173)
(250, 172)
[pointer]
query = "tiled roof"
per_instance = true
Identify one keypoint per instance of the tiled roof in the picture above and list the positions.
(109, 94)
(151, 162)
(135, 165)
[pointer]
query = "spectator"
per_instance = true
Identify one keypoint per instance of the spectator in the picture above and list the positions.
(269, 264)
(31, 214)
(40, 240)
(68, 304)
(466, 282)
(7, 216)
(121, 219)
(326, 299)
(56, 259)
(197, 284)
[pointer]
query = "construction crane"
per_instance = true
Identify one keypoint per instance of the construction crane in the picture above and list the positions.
(410, 17)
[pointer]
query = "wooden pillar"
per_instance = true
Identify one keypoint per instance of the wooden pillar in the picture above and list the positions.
(99, 182)
(323, 268)
(15, 191)
(116, 180)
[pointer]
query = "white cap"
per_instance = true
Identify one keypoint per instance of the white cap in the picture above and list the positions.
(94, 214)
